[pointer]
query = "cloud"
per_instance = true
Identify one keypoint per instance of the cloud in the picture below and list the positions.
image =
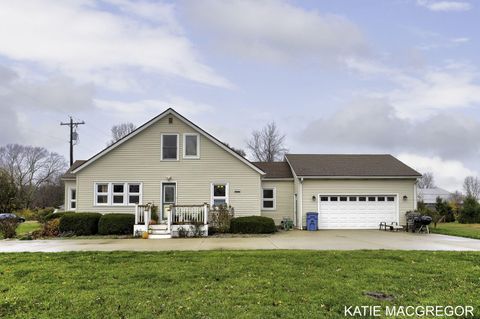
(276, 30)
(448, 174)
(445, 5)
(374, 125)
(421, 93)
(104, 42)
(26, 105)
(137, 109)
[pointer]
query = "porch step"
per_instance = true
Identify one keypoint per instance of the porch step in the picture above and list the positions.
(159, 236)
(158, 227)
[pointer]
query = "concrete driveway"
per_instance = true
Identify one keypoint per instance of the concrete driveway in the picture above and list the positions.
(320, 240)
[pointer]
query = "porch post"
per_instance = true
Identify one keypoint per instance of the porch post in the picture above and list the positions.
(136, 214)
(169, 217)
(205, 213)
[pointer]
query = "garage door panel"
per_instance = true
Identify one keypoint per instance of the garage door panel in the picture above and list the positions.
(356, 214)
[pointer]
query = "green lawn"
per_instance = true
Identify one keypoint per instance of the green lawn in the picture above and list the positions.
(456, 229)
(27, 227)
(226, 284)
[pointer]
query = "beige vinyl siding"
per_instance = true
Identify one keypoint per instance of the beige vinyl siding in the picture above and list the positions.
(138, 160)
(284, 200)
(68, 184)
(401, 187)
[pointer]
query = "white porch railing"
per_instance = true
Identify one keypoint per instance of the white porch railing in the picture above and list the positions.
(143, 214)
(189, 214)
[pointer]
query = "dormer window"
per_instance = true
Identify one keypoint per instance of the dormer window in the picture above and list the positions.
(170, 147)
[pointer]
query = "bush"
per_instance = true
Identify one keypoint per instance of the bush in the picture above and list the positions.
(80, 224)
(252, 225)
(220, 218)
(54, 216)
(26, 213)
(116, 224)
(470, 212)
(42, 213)
(8, 227)
(50, 229)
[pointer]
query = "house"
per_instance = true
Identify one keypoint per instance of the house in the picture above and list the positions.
(429, 195)
(172, 163)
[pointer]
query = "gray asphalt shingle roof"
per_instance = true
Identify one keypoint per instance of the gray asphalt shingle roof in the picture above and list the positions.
(349, 165)
(68, 174)
(275, 169)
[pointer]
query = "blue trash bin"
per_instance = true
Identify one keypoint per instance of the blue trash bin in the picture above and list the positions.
(312, 221)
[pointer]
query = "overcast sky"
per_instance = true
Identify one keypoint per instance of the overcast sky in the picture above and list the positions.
(398, 76)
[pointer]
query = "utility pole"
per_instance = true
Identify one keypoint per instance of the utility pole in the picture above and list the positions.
(72, 125)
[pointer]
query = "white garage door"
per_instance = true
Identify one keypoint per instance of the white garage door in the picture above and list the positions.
(356, 211)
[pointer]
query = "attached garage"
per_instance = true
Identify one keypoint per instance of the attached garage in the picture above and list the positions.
(352, 191)
(365, 211)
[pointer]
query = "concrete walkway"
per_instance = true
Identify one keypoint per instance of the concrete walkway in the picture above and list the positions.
(320, 240)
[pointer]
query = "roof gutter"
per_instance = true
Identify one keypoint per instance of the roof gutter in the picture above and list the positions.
(359, 177)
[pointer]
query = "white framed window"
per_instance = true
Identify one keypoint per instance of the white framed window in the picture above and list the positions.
(191, 146)
(72, 198)
(169, 147)
(268, 198)
(219, 194)
(102, 194)
(118, 194)
(134, 193)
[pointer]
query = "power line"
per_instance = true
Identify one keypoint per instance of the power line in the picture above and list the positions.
(73, 135)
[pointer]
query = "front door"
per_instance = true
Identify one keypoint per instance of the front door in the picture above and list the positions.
(169, 194)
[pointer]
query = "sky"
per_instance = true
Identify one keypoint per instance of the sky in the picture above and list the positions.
(369, 76)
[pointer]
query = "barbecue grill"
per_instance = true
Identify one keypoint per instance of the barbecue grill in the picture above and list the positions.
(416, 223)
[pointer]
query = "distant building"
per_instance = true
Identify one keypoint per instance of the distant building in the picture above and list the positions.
(429, 195)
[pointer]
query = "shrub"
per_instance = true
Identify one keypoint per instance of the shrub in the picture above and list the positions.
(8, 227)
(80, 224)
(50, 229)
(470, 212)
(116, 224)
(154, 212)
(26, 213)
(220, 218)
(54, 216)
(42, 213)
(252, 225)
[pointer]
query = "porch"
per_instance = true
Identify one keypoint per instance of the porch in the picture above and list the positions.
(176, 221)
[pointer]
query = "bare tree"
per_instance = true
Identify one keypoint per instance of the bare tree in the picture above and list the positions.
(30, 167)
(239, 151)
(121, 130)
(471, 186)
(426, 181)
(267, 145)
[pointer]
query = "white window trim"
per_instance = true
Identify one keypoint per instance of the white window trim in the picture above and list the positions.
(70, 200)
(161, 147)
(118, 194)
(227, 191)
(126, 194)
(185, 146)
(274, 199)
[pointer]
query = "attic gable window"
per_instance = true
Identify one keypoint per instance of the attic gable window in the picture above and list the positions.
(191, 145)
(170, 147)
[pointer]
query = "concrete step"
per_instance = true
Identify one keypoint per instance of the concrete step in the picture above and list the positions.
(160, 236)
(159, 226)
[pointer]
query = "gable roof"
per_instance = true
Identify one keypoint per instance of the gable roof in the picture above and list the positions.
(342, 165)
(429, 195)
(275, 169)
(68, 174)
(167, 112)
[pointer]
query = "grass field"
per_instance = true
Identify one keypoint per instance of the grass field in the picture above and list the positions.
(27, 227)
(226, 284)
(456, 229)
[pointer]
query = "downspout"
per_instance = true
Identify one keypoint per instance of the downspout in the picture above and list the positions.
(415, 204)
(301, 203)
